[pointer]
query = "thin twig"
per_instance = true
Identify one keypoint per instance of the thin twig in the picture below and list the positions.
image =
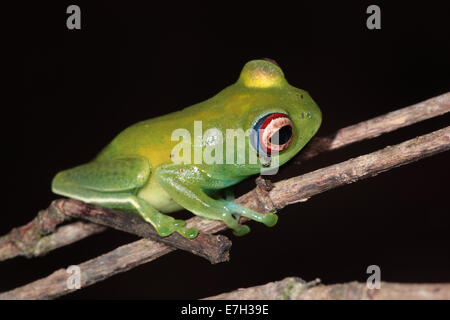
(377, 126)
(66, 235)
(31, 241)
(119, 260)
(293, 288)
(24, 240)
(284, 193)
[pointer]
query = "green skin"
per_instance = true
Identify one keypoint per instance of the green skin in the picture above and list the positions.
(136, 172)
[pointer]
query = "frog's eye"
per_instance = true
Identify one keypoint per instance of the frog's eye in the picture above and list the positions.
(272, 133)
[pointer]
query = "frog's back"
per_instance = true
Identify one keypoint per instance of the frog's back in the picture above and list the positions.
(152, 138)
(149, 138)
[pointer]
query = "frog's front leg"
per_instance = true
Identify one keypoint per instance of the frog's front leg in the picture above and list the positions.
(186, 185)
(114, 184)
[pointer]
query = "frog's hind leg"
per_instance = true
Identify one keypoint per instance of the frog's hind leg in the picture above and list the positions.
(114, 184)
(229, 194)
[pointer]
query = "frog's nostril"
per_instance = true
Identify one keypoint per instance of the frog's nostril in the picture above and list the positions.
(271, 60)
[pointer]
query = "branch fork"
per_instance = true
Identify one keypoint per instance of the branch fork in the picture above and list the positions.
(41, 235)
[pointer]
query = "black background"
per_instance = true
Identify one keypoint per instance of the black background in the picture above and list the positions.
(129, 63)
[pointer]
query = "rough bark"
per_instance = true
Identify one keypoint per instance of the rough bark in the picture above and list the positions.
(282, 194)
(32, 240)
(293, 288)
(377, 126)
(29, 241)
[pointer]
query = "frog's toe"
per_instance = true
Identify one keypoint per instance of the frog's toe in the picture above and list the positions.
(241, 230)
(189, 233)
(179, 223)
(165, 231)
(270, 219)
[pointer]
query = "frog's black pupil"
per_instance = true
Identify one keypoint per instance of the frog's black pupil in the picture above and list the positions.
(282, 135)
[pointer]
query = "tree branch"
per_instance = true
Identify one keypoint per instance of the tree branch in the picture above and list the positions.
(118, 260)
(293, 288)
(28, 240)
(285, 192)
(214, 248)
(32, 240)
(377, 126)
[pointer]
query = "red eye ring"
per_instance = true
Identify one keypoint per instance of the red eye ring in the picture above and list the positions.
(271, 125)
